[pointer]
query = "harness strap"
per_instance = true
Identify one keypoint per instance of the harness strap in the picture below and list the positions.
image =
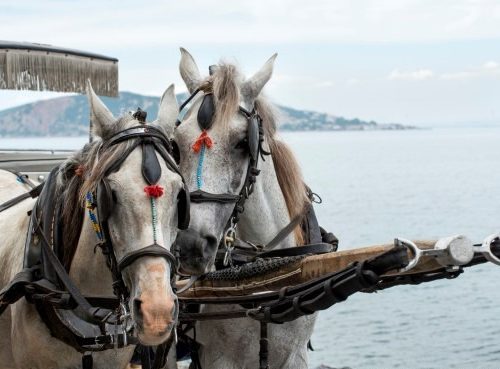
(119, 288)
(152, 250)
(23, 178)
(315, 248)
(202, 196)
(90, 313)
(162, 353)
(87, 361)
(296, 220)
(322, 293)
(263, 347)
(138, 131)
(108, 341)
(15, 289)
(320, 241)
(245, 252)
(34, 193)
(309, 223)
(146, 352)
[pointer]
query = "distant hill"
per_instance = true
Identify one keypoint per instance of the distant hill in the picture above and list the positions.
(69, 116)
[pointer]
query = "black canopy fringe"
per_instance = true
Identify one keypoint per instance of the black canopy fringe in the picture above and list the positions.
(44, 68)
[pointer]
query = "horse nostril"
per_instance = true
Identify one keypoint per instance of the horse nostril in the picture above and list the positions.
(211, 242)
(137, 306)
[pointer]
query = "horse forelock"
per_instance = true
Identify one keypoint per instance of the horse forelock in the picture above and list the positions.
(79, 174)
(225, 84)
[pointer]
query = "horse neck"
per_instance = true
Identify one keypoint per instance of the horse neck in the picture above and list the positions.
(265, 211)
(88, 268)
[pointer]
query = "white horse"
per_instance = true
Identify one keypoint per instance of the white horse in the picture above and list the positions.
(279, 195)
(25, 340)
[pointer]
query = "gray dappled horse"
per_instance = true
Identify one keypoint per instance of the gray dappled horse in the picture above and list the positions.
(25, 340)
(214, 158)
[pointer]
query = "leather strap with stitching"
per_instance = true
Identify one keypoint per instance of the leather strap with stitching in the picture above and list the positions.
(34, 193)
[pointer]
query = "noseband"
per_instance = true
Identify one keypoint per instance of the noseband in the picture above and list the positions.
(151, 140)
(255, 140)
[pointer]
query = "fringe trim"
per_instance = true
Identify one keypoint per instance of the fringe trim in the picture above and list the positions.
(43, 71)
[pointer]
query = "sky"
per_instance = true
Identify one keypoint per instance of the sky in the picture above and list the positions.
(422, 62)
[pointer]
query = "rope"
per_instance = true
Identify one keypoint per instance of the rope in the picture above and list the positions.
(200, 145)
(153, 192)
(90, 205)
(155, 218)
(199, 180)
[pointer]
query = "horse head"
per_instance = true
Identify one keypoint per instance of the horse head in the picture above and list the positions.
(223, 139)
(132, 191)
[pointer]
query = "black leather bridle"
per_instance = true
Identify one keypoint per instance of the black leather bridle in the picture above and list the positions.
(151, 140)
(86, 322)
(255, 140)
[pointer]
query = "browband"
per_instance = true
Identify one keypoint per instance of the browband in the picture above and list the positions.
(138, 131)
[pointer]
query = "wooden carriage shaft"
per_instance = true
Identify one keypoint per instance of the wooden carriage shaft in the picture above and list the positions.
(307, 269)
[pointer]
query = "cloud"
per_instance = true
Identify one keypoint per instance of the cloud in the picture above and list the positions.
(353, 82)
(458, 76)
(111, 24)
(323, 84)
(491, 65)
(416, 75)
(489, 68)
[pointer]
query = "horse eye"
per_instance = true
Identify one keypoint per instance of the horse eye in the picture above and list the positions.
(242, 145)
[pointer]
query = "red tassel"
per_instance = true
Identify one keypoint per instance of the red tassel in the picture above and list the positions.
(79, 170)
(202, 139)
(154, 191)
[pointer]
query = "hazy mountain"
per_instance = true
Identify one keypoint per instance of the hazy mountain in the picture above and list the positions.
(69, 116)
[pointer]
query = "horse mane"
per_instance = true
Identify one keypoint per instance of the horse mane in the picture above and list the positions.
(78, 175)
(224, 84)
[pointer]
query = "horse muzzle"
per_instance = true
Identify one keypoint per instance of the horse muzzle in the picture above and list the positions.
(155, 317)
(196, 252)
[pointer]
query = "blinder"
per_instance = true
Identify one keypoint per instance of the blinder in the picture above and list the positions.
(253, 135)
(183, 209)
(106, 199)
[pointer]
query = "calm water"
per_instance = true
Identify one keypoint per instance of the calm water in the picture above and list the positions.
(413, 184)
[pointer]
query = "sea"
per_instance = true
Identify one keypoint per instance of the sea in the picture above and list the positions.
(415, 184)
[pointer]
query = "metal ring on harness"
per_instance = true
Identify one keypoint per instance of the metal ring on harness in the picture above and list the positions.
(485, 248)
(229, 238)
(417, 253)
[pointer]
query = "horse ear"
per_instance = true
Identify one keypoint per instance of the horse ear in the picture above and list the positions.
(252, 87)
(101, 119)
(168, 111)
(189, 71)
